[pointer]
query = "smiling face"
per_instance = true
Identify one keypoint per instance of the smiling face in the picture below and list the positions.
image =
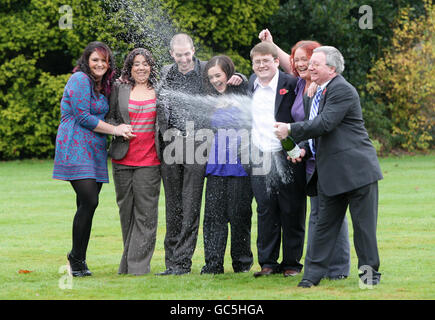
(300, 61)
(265, 67)
(98, 65)
(320, 72)
(217, 78)
(183, 57)
(140, 71)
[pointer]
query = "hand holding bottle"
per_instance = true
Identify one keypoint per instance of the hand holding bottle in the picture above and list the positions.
(299, 159)
(295, 154)
(281, 130)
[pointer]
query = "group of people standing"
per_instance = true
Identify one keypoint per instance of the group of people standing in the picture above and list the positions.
(337, 168)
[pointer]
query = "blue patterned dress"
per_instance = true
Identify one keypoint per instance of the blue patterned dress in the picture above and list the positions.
(80, 152)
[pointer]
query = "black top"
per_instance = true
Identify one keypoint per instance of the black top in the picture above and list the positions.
(189, 83)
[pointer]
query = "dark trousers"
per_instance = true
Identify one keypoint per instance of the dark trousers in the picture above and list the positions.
(340, 260)
(227, 200)
(281, 210)
(363, 207)
(137, 196)
(183, 184)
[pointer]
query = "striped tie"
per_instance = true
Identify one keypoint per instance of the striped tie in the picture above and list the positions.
(313, 114)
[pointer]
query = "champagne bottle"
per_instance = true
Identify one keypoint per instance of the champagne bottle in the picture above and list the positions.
(291, 147)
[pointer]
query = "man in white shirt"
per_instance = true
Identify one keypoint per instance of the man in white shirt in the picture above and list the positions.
(280, 191)
(263, 113)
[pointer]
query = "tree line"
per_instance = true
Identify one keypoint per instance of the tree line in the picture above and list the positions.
(387, 45)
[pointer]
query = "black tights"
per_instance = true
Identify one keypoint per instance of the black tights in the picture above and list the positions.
(87, 191)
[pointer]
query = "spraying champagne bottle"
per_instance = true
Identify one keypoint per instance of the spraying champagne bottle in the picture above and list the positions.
(291, 147)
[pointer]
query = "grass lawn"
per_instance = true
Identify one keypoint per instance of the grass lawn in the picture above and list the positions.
(36, 215)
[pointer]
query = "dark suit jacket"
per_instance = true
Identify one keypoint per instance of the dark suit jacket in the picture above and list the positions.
(118, 114)
(345, 156)
(283, 101)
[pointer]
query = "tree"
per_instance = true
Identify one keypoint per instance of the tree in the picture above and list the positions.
(41, 40)
(403, 80)
(36, 53)
(138, 23)
(221, 26)
(345, 25)
(338, 23)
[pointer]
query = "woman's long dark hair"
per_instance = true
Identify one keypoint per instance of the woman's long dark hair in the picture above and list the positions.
(83, 65)
(128, 64)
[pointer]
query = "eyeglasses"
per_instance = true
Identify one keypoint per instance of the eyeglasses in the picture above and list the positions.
(315, 64)
(265, 62)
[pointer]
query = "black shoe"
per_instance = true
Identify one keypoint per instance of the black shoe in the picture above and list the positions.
(370, 276)
(206, 270)
(167, 272)
(305, 284)
(211, 271)
(77, 267)
(86, 271)
(239, 268)
(339, 277)
(180, 272)
(242, 270)
(170, 271)
(375, 280)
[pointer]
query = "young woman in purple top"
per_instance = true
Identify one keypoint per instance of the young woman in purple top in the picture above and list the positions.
(228, 189)
(297, 64)
(81, 156)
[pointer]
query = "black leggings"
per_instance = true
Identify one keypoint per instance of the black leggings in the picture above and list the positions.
(87, 192)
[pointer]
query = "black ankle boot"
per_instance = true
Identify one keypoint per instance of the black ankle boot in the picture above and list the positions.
(78, 268)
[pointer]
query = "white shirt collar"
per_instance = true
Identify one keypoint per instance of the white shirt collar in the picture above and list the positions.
(273, 84)
(323, 86)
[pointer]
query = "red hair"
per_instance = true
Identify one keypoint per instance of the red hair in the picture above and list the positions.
(308, 46)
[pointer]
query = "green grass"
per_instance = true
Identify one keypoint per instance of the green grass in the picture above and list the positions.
(36, 215)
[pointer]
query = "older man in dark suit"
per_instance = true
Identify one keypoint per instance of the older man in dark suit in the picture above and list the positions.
(347, 167)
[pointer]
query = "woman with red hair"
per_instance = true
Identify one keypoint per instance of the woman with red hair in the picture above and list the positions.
(297, 64)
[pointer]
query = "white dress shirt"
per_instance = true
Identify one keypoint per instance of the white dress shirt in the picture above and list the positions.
(263, 116)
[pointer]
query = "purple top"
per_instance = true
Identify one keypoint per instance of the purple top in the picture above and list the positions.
(298, 114)
(223, 159)
(80, 151)
(297, 111)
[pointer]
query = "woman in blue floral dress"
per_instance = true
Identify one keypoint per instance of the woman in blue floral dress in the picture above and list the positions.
(81, 155)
